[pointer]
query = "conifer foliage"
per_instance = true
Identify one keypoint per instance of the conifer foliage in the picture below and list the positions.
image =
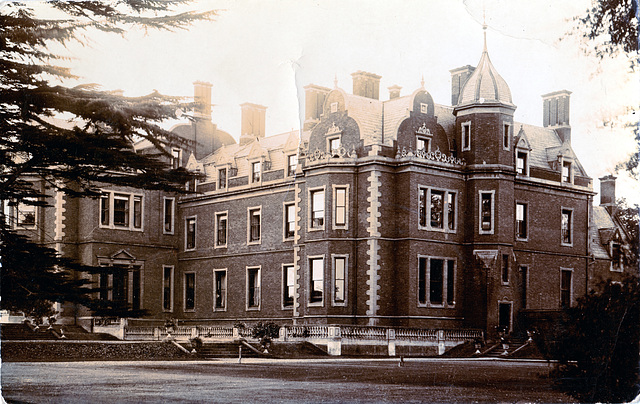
(73, 139)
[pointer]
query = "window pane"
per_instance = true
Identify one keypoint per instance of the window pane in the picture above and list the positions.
(521, 220)
(437, 199)
(104, 209)
(121, 210)
(288, 274)
(167, 288)
(293, 164)
(317, 279)
(436, 281)
(191, 233)
(422, 207)
(256, 167)
(221, 236)
(253, 284)
(254, 231)
(222, 178)
(486, 211)
(565, 288)
(221, 289)
(451, 211)
(189, 291)
(566, 226)
(339, 280)
(168, 215)
(450, 282)
(422, 280)
(505, 268)
(317, 209)
(137, 212)
(341, 206)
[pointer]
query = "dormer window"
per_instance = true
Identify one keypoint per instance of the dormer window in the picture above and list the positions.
(222, 178)
(256, 169)
(522, 163)
(567, 172)
(424, 108)
(615, 251)
(423, 143)
(292, 164)
(334, 143)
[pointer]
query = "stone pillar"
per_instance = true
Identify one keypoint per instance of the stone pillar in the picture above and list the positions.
(441, 347)
(391, 341)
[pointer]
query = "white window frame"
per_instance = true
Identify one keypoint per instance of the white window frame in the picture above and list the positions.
(335, 257)
(285, 285)
(249, 210)
(131, 197)
(15, 214)
(526, 221)
(164, 215)
(445, 209)
(426, 140)
(310, 280)
(445, 281)
(465, 146)
(184, 292)
(216, 217)
(252, 165)
(171, 288)
(334, 211)
(330, 139)
(571, 220)
(506, 136)
(215, 289)
(186, 233)
(424, 108)
(259, 306)
(288, 172)
(562, 269)
(285, 222)
(525, 169)
(226, 177)
(493, 211)
(310, 209)
(569, 164)
(334, 107)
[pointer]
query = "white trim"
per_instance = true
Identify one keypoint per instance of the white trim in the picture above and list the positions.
(333, 279)
(331, 150)
(310, 209)
(562, 269)
(286, 170)
(427, 141)
(509, 138)
(130, 197)
(173, 215)
(334, 209)
(526, 221)
(184, 292)
(195, 232)
(259, 306)
(217, 215)
(283, 279)
(310, 279)
(215, 290)
(493, 213)
(571, 220)
(526, 162)
(464, 145)
(249, 210)
(285, 216)
(226, 168)
(445, 281)
(445, 209)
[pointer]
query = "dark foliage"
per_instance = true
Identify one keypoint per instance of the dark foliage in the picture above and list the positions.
(597, 345)
(73, 139)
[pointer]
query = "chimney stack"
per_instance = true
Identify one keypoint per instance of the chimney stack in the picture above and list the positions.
(202, 98)
(366, 84)
(459, 76)
(555, 113)
(253, 122)
(313, 104)
(608, 192)
(394, 91)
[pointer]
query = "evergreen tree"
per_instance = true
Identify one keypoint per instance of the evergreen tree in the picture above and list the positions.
(73, 139)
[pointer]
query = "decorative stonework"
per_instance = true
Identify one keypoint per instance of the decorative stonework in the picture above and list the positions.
(373, 262)
(296, 252)
(423, 130)
(60, 216)
(333, 129)
(320, 155)
(433, 156)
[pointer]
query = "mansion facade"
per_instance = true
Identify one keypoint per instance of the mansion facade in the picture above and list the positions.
(401, 212)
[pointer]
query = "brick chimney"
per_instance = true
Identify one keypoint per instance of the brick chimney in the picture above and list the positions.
(253, 122)
(459, 76)
(202, 98)
(608, 192)
(394, 91)
(366, 84)
(314, 97)
(555, 113)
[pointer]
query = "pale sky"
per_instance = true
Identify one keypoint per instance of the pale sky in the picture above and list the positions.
(265, 51)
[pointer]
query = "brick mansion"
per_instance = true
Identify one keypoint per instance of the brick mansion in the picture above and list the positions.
(398, 212)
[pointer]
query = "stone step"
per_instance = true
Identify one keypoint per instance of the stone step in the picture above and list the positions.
(224, 350)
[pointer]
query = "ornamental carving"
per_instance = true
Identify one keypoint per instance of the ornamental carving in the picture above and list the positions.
(340, 153)
(433, 156)
(333, 129)
(423, 130)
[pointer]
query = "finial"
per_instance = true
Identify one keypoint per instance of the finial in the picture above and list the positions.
(484, 27)
(422, 82)
(335, 81)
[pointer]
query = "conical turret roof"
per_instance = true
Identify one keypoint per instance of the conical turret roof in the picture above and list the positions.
(485, 84)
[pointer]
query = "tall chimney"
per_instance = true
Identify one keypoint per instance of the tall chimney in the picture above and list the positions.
(313, 104)
(394, 91)
(459, 76)
(555, 113)
(253, 121)
(366, 84)
(608, 191)
(202, 98)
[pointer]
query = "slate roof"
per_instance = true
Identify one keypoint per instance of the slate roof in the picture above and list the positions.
(600, 220)
(485, 84)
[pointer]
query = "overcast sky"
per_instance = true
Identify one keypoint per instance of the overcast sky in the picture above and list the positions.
(265, 51)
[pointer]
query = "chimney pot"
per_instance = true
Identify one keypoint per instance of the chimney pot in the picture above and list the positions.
(394, 91)
(366, 84)
(253, 120)
(608, 191)
(459, 76)
(202, 98)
